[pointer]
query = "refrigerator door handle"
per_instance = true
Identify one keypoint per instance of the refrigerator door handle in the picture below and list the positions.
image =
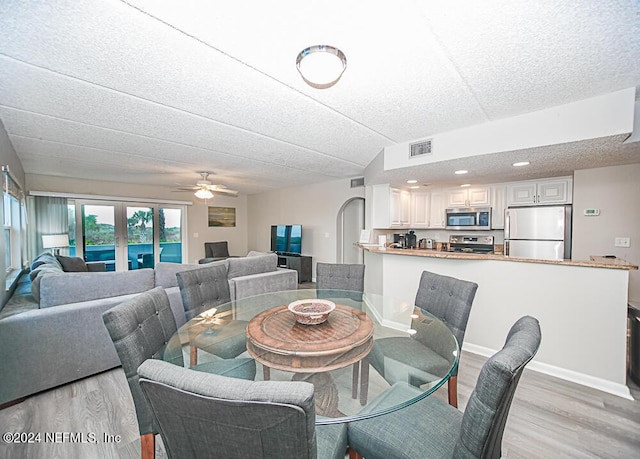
(506, 248)
(506, 224)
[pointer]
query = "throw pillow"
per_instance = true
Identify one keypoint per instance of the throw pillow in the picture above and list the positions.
(72, 264)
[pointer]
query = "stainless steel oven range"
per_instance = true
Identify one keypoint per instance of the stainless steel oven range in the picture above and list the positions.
(471, 244)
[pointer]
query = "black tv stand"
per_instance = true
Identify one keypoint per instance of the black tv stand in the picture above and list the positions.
(297, 262)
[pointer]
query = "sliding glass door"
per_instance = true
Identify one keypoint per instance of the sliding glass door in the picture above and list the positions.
(99, 238)
(126, 236)
(140, 237)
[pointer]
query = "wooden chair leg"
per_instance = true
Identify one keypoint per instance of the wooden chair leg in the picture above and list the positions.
(148, 446)
(353, 454)
(193, 356)
(452, 385)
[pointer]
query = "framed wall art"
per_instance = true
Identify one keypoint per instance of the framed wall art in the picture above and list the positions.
(222, 216)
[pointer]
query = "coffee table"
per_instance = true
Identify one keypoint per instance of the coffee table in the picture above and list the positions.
(339, 356)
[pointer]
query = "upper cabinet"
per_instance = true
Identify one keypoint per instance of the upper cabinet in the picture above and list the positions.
(419, 215)
(469, 197)
(540, 192)
(437, 206)
(390, 207)
(400, 207)
(498, 205)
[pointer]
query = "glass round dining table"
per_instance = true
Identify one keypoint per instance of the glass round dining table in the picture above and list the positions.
(367, 344)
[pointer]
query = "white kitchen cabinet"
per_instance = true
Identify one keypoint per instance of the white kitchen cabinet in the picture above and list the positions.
(469, 197)
(400, 208)
(390, 207)
(419, 209)
(535, 192)
(498, 206)
(437, 206)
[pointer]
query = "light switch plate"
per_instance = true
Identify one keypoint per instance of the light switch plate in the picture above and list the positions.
(623, 242)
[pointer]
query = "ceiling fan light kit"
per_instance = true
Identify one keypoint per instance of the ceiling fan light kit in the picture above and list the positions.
(204, 189)
(204, 194)
(321, 66)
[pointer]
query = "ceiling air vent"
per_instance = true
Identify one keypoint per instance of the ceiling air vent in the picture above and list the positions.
(420, 149)
(357, 182)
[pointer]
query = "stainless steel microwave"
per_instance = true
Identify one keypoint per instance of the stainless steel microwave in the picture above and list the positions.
(478, 218)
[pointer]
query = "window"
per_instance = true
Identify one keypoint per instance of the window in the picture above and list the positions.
(15, 227)
(126, 235)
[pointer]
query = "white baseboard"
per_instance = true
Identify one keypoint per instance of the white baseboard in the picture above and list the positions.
(604, 385)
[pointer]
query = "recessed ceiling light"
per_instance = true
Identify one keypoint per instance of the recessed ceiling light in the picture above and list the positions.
(412, 181)
(460, 172)
(521, 163)
(414, 187)
(465, 184)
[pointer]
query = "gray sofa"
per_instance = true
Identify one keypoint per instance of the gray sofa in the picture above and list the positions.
(63, 338)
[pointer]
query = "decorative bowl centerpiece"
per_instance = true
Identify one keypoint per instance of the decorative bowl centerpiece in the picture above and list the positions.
(311, 312)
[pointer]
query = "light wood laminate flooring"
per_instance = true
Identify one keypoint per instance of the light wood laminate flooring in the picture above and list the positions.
(549, 418)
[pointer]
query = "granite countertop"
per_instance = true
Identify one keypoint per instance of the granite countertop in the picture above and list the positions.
(595, 262)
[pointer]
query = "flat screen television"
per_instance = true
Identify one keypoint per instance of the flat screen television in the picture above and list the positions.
(286, 239)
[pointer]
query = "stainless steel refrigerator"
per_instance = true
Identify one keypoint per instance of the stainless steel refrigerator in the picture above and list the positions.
(540, 232)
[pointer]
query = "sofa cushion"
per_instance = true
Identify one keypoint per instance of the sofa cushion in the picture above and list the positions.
(38, 274)
(72, 264)
(252, 265)
(45, 258)
(77, 287)
(166, 272)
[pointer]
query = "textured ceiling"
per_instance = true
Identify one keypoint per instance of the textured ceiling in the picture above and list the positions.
(154, 91)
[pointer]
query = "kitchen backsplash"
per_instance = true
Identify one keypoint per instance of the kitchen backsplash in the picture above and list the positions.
(439, 235)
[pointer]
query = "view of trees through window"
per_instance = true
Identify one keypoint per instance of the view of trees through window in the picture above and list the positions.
(139, 228)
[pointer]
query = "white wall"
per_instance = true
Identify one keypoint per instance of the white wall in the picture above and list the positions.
(315, 207)
(616, 192)
(582, 310)
(197, 213)
(602, 116)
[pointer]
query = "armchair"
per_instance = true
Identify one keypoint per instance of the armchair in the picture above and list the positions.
(215, 251)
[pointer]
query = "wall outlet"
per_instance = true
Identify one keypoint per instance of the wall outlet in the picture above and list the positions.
(623, 242)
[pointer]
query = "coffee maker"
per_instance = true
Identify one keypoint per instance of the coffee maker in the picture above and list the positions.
(410, 240)
(398, 240)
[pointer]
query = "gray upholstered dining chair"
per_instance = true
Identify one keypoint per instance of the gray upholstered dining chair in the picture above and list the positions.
(332, 277)
(140, 329)
(207, 288)
(204, 415)
(450, 300)
(432, 429)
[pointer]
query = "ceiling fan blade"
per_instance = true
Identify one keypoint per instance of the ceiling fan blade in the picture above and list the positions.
(225, 191)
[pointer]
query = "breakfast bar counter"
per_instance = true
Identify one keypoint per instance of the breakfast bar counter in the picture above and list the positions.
(594, 262)
(581, 305)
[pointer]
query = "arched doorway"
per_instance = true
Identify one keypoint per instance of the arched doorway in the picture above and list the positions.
(350, 222)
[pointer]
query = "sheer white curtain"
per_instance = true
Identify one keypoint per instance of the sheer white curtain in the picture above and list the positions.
(52, 217)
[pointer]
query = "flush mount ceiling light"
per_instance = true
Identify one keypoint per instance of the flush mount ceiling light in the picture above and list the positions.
(460, 172)
(204, 194)
(321, 66)
(412, 181)
(521, 163)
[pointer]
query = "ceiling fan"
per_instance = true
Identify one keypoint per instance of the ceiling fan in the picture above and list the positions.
(205, 189)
